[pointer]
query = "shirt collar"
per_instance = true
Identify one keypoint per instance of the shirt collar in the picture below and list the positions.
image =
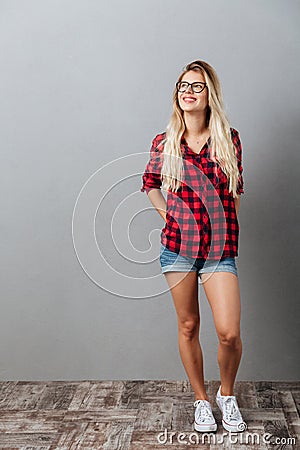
(188, 150)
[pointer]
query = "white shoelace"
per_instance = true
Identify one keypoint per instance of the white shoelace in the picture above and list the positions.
(205, 411)
(231, 409)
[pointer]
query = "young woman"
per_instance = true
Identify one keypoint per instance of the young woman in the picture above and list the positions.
(198, 161)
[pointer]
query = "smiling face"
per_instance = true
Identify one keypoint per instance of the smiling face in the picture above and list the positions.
(190, 101)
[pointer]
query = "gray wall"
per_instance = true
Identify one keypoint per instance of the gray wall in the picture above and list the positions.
(85, 83)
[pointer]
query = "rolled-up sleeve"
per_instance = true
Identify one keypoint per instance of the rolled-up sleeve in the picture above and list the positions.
(151, 178)
(238, 149)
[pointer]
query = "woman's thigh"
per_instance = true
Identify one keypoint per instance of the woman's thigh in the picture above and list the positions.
(223, 294)
(182, 277)
(184, 290)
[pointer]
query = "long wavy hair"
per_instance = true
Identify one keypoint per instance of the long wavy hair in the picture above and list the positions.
(222, 150)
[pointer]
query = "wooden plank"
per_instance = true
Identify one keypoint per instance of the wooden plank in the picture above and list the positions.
(267, 395)
(25, 395)
(296, 397)
(290, 413)
(286, 385)
(183, 416)
(28, 447)
(179, 387)
(130, 397)
(17, 440)
(70, 436)
(94, 396)
(260, 414)
(6, 388)
(57, 396)
(172, 398)
(154, 416)
(78, 400)
(102, 415)
(118, 436)
(94, 435)
(30, 421)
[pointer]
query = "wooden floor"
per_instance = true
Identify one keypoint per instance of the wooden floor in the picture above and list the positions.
(134, 414)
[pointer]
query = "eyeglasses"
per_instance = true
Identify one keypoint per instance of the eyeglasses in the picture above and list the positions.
(197, 87)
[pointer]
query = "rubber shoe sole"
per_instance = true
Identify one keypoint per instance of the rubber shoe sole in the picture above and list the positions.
(205, 427)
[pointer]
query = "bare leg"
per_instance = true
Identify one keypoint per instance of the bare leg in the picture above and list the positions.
(185, 298)
(222, 292)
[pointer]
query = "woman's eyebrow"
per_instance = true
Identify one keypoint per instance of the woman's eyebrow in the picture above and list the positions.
(185, 81)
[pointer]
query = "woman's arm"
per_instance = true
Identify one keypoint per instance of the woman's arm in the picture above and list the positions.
(158, 201)
(152, 178)
(237, 202)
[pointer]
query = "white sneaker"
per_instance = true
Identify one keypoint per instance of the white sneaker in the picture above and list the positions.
(204, 419)
(232, 419)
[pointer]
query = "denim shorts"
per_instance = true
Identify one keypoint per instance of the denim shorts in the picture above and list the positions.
(171, 261)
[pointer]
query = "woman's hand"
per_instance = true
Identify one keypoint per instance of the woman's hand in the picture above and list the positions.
(159, 202)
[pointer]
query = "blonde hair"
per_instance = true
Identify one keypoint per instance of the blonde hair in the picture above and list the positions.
(222, 148)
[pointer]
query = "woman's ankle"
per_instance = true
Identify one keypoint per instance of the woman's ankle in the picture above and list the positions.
(201, 397)
(225, 392)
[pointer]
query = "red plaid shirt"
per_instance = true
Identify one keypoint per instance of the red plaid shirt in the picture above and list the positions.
(201, 219)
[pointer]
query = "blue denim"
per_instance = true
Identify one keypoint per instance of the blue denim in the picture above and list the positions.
(171, 261)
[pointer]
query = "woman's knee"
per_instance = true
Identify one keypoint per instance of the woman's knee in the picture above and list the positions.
(230, 339)
(189, 327)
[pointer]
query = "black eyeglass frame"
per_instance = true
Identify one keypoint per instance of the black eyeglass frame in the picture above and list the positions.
(192, 86)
